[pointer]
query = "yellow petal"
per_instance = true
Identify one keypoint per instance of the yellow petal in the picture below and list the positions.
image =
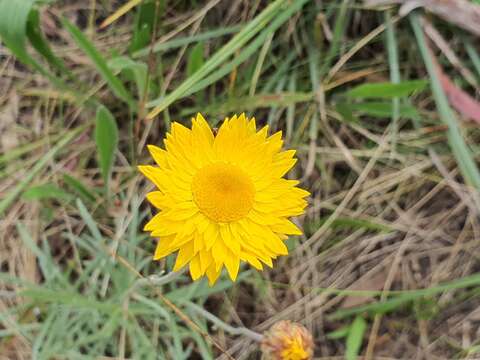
(286, 227)
(232, 263)
(211, 234)
(252, 127)
(206, 259)
(226, 235)
(195, 271)
(159, 155)
(252, 260)
(179, 214)
(160, 200)
(164, 248)
(220, 253)
(185, 254)
(198, 243)
(213, 274)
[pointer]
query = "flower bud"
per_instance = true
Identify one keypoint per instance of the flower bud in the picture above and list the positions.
(287, 341)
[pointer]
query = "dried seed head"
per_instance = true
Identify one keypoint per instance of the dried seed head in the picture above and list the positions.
(287, 341)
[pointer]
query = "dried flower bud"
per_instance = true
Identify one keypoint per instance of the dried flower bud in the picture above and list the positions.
(287, 341)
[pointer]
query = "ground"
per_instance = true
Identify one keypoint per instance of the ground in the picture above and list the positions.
(381, 106)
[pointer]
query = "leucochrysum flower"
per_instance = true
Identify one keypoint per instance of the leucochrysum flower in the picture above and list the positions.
(222, 198)
(287, 340)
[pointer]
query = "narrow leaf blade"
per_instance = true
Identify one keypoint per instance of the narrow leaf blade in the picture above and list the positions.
(100, 63)
(106, 139)
(355, 338)
(387, 89)
(195, 59)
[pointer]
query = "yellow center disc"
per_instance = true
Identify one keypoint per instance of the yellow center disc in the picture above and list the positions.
(223, 192)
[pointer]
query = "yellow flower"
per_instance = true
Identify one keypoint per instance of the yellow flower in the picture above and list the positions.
(287, 341)
(222, 198)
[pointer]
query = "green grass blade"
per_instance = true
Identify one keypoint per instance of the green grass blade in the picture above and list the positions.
(338, 32)
(100, 63)
(88, 219)
(37, 40)
(13, 27)
(393, 63)
(474, 57)
(79, 188)
(176, 43)
(49, 269)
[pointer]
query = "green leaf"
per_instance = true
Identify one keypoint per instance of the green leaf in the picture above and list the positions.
(339, 333)
(106, 139)
(143, 28)
(100, 63)
(387, 89)
(13, 27)
(346, 112)
(46, 191)
(38, 41)
(355, 338)
(195, 59)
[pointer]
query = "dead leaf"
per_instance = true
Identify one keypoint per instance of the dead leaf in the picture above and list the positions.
(120, 12)
(459, 99)
(462, 13)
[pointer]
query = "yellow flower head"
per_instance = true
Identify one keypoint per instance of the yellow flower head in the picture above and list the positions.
(222, 198)
(287, 341)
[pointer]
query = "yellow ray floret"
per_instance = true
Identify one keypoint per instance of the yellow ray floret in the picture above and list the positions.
(222, 198)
